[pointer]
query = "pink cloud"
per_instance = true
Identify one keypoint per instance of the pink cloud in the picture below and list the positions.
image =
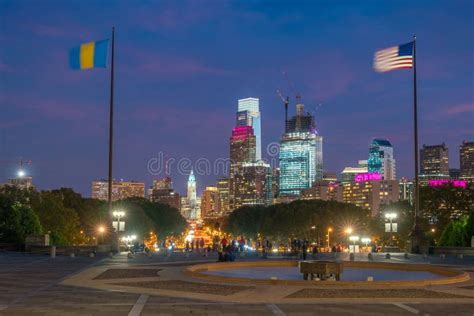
(185, 15)
(170, 66)
(326, 74)
(460, 109)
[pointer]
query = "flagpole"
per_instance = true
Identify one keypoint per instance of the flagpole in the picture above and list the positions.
(111, 124)
(416, 234)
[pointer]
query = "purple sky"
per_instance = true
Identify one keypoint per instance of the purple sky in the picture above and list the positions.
(181, 66)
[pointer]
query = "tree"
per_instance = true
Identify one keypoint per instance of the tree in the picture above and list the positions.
(143, 216)
(442, 204)
(91, 212)
(61, 222)
(296, 220)
(17, 219)
(405, 221)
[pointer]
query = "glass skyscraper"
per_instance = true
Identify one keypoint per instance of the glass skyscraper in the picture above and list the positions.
(301, 155)
(248, 114)
(381, 159)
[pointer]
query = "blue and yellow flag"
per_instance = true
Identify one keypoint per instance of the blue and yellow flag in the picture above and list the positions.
(89, 55)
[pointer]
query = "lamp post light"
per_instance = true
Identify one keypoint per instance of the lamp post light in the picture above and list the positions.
(101, 231)
(391, 217)
(354, 238)
(313, 228)
(348, 230)
(366, 241)
(329, 231)
(118, 215)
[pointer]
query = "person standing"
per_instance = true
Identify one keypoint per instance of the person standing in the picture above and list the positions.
(304, 248)
(201, 244)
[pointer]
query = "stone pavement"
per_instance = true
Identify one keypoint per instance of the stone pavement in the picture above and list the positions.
(37, 285)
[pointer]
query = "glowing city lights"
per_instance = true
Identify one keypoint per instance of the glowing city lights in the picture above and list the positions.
(367, 176)
(441, 182)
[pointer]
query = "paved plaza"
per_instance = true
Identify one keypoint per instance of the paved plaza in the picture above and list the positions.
(39, 285)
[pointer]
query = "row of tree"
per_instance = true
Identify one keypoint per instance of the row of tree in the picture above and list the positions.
(71, 219)
(302, 219)
(444, 217)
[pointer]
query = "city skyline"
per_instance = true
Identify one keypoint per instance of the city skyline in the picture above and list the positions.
(64, 132)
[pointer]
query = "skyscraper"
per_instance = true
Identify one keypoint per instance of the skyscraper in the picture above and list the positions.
(251, 183)
(210, 206)
(162, 192)
(223, 189)
(466, 157)
(249, 178)
(434, 162)
(301, 154)
(242, 145)
(248, 114)
(381, 159)
(242, 150)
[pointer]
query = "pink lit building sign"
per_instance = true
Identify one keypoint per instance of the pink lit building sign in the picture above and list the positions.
(367, 176)
(454, 183)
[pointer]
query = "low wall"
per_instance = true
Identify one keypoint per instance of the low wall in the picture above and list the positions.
(67, 250)
(450, 276)
(455, 251)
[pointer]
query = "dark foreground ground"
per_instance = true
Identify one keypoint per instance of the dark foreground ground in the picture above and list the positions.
(30, 285)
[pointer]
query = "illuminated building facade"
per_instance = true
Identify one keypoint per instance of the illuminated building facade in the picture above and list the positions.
(210, 205)
(248, 114)
(252, 184)
(120, 189)
(192, 208)
(223, 189)
(21, 181)
(381, 159)
(466, 157)
(371, 194)
(242, 145)
(434, 162)
(301, 154)
(349, 173)
(162, 192)
(324, 190)
(242, 150)
(275, 183)
(406, 190)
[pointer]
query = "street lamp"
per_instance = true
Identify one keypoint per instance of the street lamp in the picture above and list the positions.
(329, 231)
(348, 230)
(391, 217)
(354, 239)
(366, 241)
(101, 231)
(118, 215)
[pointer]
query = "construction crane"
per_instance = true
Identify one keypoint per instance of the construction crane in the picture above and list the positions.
(22, 162)
(292, 87)
(285, 101)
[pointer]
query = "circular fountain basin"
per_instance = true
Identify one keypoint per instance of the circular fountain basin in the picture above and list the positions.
(355, 273)
(350, 274)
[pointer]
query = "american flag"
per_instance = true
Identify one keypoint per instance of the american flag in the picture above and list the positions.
(393, 58)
